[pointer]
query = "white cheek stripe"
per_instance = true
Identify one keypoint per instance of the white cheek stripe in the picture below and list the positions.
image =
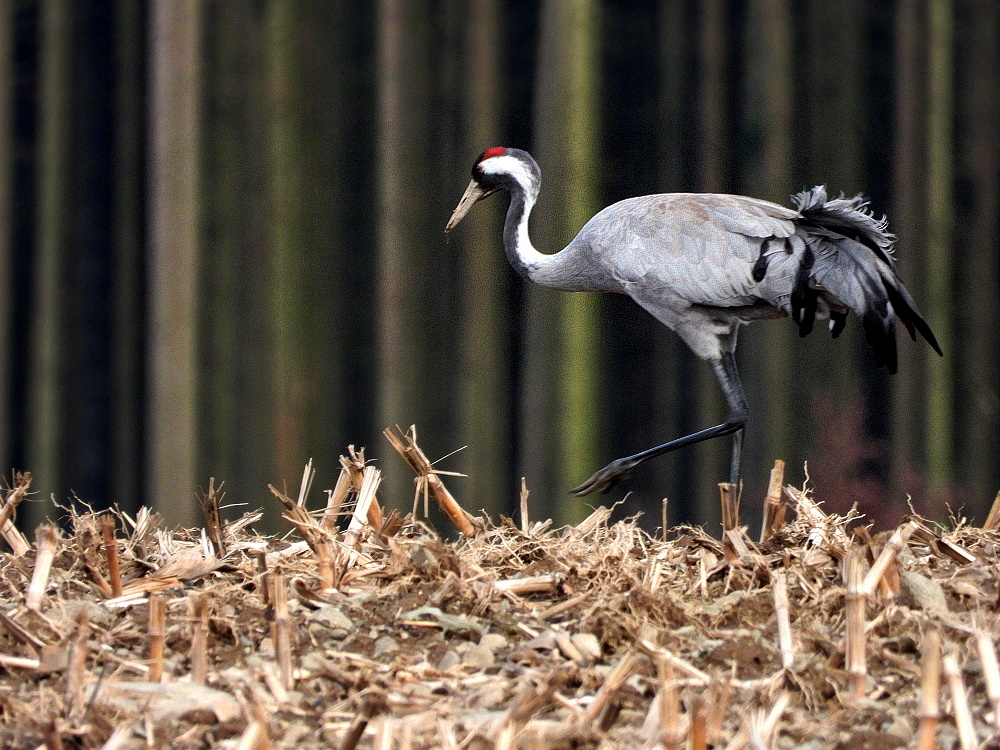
(511, 165)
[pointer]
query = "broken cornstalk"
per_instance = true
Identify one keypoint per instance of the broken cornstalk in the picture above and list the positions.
(18, 544)
(855, 605)
(47, 541)
(111, 553)
(930, 686)
(157, 629)
(774, 506)
(429, 482)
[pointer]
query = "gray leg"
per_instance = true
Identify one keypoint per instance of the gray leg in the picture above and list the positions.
(736, 417)
(736, 402)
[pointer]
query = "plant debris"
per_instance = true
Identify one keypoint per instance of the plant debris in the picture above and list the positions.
(368, 629)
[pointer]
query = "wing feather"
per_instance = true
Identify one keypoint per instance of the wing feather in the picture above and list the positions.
(699, 249)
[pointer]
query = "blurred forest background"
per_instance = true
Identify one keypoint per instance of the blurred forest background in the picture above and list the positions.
(221, 248)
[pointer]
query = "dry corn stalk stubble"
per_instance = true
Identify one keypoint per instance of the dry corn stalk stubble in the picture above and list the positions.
(514, 636)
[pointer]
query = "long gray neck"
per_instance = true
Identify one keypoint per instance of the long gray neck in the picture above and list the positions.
(573, 269)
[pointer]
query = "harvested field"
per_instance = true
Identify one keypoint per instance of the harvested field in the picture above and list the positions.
(365, 629)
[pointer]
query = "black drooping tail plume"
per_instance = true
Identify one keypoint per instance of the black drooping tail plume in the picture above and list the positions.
(846, 262)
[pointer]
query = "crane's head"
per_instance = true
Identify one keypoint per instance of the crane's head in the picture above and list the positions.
(497, 168)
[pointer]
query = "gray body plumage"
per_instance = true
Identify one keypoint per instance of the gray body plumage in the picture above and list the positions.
(705, 264)
(689, 260)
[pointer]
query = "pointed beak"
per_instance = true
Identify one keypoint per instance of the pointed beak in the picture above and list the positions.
(473, 194)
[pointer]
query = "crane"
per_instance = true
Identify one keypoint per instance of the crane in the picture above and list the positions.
(705, 264)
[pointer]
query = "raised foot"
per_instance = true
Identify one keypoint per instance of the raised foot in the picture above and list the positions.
(605, 479)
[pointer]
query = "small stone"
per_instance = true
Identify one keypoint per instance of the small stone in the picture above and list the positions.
(384, 645)
(363, 598)
(479, 656)
(493, 641)
(449, 660)
(312, 662)
(544, 641)
(333, 618)
(920, 592)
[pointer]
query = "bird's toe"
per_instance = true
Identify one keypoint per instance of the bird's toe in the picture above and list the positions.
(604, 480)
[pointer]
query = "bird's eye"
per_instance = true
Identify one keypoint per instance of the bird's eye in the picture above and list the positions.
(479, 168)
